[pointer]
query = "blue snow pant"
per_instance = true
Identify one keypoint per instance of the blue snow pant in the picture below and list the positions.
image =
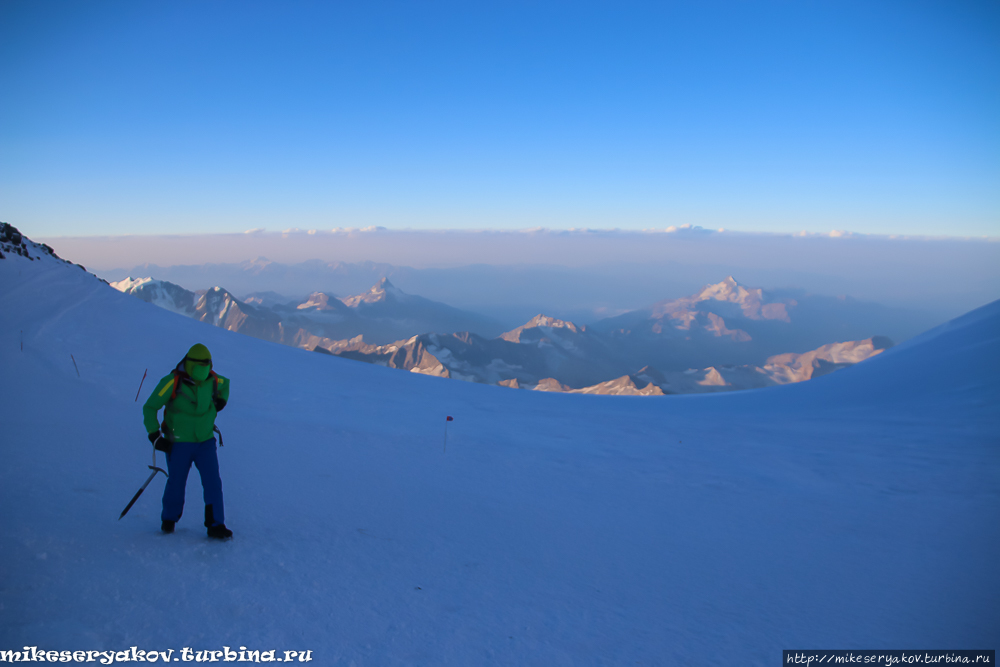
(204, 457)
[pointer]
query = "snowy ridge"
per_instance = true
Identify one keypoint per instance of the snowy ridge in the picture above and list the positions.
(784, 368)
(130, 283)
(159, 293)
(551, 528)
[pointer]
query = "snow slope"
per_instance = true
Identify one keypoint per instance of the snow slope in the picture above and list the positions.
(858, 510)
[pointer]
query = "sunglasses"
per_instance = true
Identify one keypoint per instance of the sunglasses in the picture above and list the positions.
(203, 362)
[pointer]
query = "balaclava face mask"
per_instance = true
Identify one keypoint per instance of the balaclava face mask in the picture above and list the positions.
(198, 372)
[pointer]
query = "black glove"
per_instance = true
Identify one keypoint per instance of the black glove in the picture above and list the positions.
(160, 443)
(219, 403)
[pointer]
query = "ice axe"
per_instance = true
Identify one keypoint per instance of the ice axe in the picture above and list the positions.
(139, 492)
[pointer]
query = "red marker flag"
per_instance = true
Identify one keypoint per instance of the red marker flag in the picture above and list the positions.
(449, 419)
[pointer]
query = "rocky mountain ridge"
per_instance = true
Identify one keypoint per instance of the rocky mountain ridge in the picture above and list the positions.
(529, 365)
(13, 242)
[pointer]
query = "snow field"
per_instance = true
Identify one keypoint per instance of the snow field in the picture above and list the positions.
(857, 510)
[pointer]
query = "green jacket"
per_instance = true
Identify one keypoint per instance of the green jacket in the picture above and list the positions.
(191, 416)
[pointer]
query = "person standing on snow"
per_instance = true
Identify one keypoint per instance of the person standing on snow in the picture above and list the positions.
(192, 395)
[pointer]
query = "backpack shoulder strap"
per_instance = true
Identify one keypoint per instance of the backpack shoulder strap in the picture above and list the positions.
(178, 376)
(177, 384)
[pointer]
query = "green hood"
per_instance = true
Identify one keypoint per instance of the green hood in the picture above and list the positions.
(199, 352)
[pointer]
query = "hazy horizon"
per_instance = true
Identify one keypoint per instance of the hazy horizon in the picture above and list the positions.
(582, 271)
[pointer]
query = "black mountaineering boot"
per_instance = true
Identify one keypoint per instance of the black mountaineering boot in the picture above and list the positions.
(167, 526)
(220, 532)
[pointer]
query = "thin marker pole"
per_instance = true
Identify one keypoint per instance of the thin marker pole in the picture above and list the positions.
(447, 419)
(75, 366)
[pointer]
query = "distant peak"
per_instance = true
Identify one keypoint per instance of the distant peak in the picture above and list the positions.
(540, 320)
(546, 321)
(380, 291)
(728, 283)
(751, 301)
(257, 264)
(219, 292)
(729, 289)
(317, 300)
(382, 287)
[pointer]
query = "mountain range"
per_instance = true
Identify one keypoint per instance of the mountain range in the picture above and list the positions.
(382, 314)
(724, 337)
(730, 324)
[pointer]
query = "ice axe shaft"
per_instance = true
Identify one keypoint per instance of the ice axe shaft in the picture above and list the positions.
(139, 492)
(140, 385)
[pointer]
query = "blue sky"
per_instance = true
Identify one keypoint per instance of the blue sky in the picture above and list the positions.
(184, 117)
